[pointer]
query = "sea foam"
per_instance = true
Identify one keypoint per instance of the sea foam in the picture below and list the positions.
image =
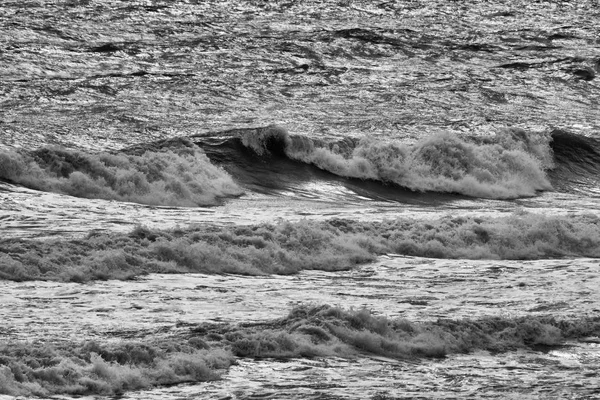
(511, 164)
(43, 369)
(289, 247)
(180, 176)
(200, 352)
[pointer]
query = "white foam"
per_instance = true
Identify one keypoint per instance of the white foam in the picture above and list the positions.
(183, 177)
(510, 165)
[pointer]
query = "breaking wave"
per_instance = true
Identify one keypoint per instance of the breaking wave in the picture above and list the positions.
(310, 331)
(181, 175)
(510, 164)
(289, 247)
(44, 369)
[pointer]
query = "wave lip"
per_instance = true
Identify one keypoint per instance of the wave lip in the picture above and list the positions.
(179, 176)
(511, 164)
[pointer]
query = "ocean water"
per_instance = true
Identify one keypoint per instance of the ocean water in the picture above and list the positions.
(299, 200)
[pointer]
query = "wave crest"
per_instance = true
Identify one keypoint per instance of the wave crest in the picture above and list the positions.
(180, 176)
(511, 164)
(270, 140)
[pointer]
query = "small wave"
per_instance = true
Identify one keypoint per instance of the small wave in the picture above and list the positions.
(323, 330)
(176, 176)
(510, 164)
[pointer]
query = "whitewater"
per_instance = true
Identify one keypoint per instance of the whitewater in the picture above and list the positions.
(299, 200)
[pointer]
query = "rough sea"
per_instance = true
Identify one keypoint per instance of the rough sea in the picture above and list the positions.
(299, 199)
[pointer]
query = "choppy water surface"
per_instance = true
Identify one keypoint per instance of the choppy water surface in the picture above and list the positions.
(190, 136)
(523, 375)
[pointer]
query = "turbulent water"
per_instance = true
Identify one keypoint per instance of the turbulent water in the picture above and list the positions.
(299, 200)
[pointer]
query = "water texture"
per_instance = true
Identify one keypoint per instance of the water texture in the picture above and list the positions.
(299, 199)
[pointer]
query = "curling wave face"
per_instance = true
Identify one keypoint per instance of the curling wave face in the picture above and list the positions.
(511, 164)
(177, 176)
(577, 160)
